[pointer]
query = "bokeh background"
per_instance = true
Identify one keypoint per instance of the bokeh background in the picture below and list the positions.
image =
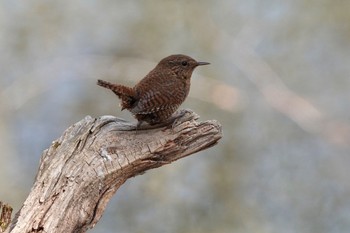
(278, 83)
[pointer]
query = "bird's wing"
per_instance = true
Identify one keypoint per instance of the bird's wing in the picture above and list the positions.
(154, 101)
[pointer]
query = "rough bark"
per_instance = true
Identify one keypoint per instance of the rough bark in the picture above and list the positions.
(5, 216)
(82, 170)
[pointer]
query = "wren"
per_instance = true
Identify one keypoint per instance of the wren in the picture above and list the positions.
(160, 93)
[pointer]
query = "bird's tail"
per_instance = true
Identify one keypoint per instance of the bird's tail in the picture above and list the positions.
(126, 94)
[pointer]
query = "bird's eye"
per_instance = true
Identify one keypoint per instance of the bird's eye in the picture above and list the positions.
(184, 63)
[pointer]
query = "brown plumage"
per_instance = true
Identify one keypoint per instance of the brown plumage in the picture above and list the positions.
(159, 94)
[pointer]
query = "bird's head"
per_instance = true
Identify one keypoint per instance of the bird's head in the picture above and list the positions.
(181, 65)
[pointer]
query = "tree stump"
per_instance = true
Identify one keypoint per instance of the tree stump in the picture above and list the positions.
(82, 170)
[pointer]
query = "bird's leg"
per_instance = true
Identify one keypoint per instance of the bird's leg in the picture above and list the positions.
(170, 122)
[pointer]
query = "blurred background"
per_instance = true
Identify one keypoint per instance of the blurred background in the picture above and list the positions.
(278, 83)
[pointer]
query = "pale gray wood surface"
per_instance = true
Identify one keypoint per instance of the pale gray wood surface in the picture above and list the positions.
(82, 170)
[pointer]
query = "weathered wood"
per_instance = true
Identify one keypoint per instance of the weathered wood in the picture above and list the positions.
(5, 216)
(82, 170)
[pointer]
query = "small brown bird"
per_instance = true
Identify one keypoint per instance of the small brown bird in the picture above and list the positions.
(158, 95)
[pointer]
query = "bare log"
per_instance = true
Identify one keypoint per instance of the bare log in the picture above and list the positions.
(82, 170)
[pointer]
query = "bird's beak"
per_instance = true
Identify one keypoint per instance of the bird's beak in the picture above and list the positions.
(202, 63)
